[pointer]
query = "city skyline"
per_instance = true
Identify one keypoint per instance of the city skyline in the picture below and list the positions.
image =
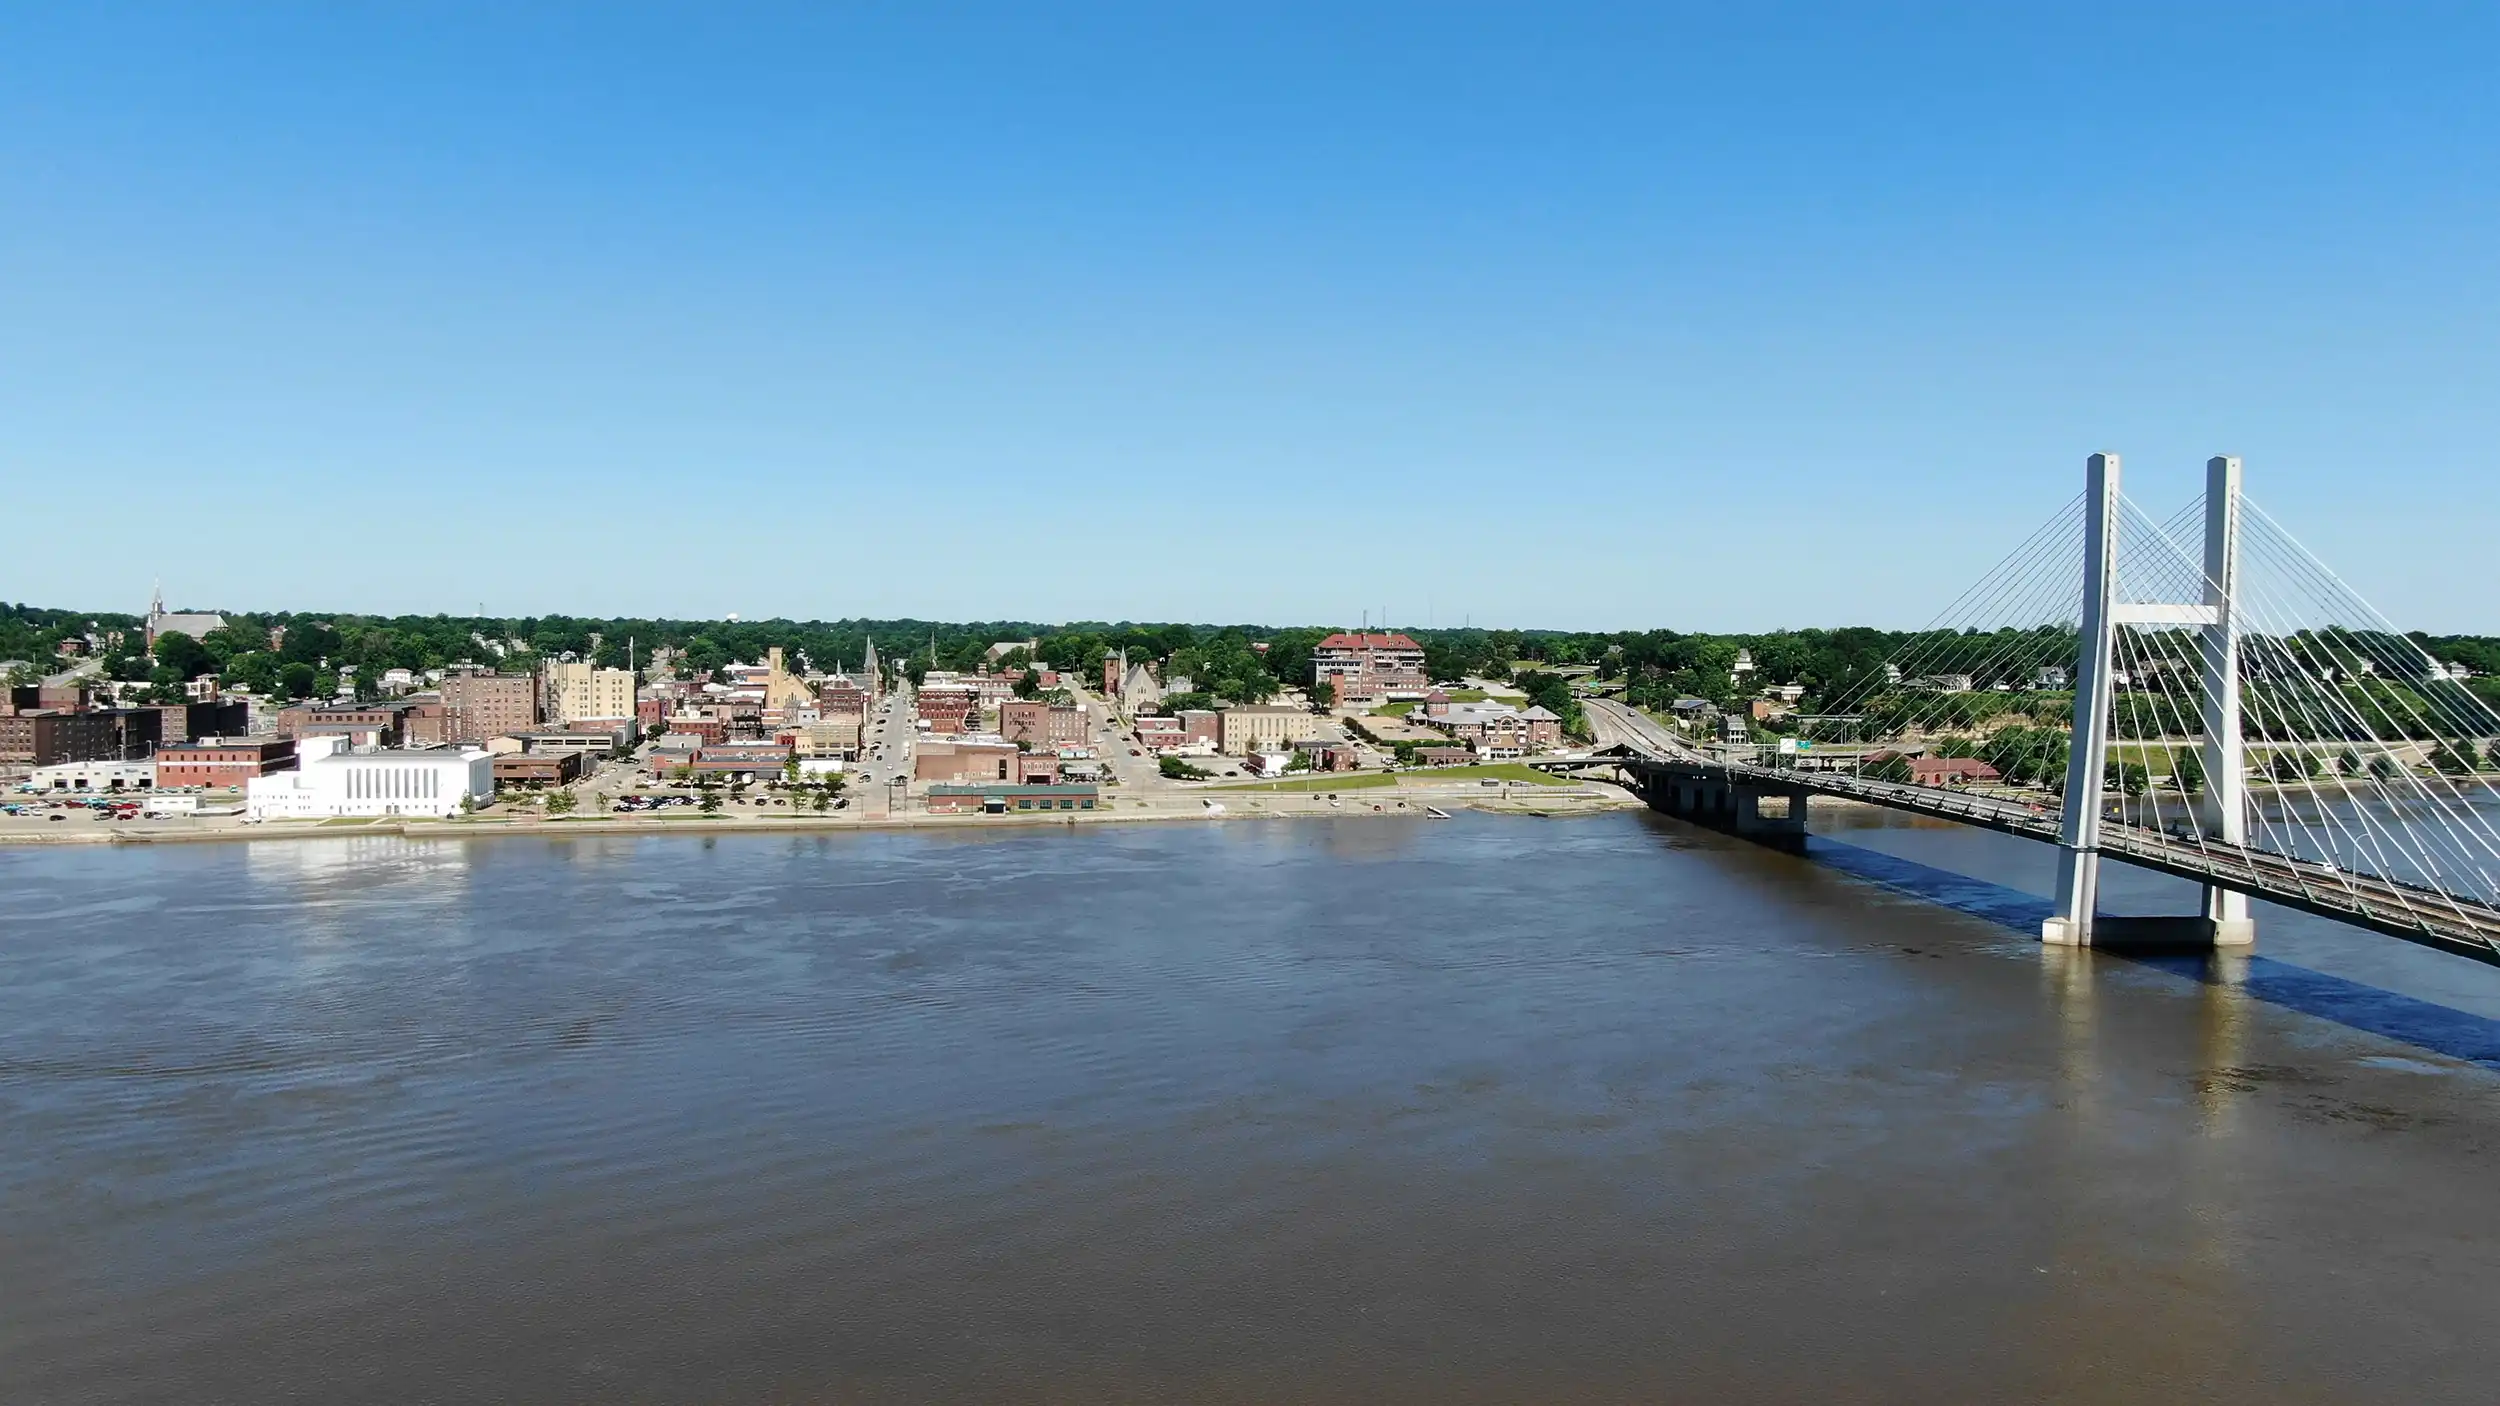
(1608, 320)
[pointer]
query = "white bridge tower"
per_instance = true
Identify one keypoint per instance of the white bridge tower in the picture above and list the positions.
(2223, 814)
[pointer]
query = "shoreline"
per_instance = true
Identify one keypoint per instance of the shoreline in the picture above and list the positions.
(1280, 806)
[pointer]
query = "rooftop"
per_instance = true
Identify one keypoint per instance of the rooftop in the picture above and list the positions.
(1368, 639)
(1007, 788)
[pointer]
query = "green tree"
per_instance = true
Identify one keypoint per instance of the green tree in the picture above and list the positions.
(2457, 757)
(561, 802)
(185, 656)
(1028, 684)
(1892, 766)
(296, 680)
(1323, 696)
(2187, 770)
(1178, 770)
(710, 803)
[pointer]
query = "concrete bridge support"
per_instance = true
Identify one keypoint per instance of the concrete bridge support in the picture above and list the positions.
(1735, 807)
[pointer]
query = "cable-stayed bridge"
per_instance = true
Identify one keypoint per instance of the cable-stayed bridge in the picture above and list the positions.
(2197, 694)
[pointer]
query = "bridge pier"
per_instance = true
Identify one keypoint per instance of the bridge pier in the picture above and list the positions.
(1731, 806)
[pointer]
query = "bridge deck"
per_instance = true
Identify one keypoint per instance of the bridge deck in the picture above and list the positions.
(2412, 912)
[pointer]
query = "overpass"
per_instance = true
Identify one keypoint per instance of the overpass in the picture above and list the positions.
(2379, 847)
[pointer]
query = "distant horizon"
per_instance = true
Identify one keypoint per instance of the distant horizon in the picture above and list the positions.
(1004, 622)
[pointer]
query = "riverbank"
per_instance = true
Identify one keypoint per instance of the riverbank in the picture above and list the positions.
(1188, 806)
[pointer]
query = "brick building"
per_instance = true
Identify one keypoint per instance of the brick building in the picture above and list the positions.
(1041, 726)
(948, 708)
(999, 798)
(1329, 756)
(984, 758)
(479, 706)
(537, 768)
(183, 721)
(1493, 729)
(214, 761)
(1369, 667)
(49, 737)
(1202, 725)
(363, 724)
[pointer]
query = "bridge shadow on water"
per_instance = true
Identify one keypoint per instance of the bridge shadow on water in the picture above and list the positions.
(2423, 1024)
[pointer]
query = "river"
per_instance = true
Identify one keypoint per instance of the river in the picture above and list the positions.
(1362, 1110)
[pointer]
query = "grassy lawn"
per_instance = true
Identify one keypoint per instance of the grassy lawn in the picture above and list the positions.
(1362, 780)
(349, 820)
(1343, 781)
(1494, 771)
(2152, 756)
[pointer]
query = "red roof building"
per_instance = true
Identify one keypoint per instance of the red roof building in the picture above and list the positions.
(1369, 666)
(1950, 771)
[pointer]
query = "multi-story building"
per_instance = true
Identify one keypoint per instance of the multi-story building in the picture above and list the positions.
(1202, 725)
(1264, 728)
(50, 737)
(362, 724)
(842, 694)
(1369, 667)
(948, 707)
(477, 706)
(136, 731)
(835, 736)
(183, 721)
(1493, 729)
(1041, 726)
(581, 692)
(220, 761)
(424, 721)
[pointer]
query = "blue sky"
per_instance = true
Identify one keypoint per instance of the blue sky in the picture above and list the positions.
(1702, 317)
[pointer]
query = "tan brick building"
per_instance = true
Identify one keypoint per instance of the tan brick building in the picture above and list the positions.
(580, 693)
(1266, 727)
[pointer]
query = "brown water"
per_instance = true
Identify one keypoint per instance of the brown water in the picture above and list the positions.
(1485, 1110)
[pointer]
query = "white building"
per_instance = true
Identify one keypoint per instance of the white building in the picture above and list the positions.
(330, 781)
(95, 776)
